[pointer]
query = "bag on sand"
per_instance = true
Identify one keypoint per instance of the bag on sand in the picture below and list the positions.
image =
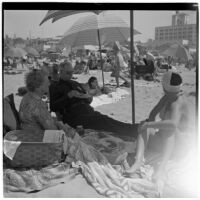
(33, 149)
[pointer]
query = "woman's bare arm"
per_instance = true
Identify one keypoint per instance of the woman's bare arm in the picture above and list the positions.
(156, 109)
(168, 124)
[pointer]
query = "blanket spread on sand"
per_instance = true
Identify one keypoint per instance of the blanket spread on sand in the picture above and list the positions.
(109, 98)
(96, 156)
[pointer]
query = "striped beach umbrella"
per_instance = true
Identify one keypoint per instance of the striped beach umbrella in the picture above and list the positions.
(97, 30)
(58, 14)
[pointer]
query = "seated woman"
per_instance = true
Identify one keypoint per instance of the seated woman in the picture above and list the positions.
(173, 111)
(33, 111)
(35, 117)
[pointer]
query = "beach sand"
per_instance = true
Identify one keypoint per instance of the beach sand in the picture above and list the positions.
(147, 95)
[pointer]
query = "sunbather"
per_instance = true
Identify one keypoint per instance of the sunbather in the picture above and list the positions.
(92, 87)
(173, 112)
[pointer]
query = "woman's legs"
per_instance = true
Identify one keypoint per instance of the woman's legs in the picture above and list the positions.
(168, 148)
(98, 121)
(142, 141)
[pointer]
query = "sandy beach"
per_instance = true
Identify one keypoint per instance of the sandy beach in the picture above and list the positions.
(147, 95)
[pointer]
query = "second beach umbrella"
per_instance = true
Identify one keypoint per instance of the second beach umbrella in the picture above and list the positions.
(15, 52)
(178, 51)
(97, 30)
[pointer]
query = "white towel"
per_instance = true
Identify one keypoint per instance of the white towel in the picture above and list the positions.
(111, 98)
(10, 148)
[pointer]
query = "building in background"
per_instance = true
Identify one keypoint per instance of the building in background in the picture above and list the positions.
(179, 31)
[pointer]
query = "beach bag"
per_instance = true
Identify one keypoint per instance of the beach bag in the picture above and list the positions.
(28, 148)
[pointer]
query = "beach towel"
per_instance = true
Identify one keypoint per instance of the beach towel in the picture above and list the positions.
(87, 157)
(109, 98)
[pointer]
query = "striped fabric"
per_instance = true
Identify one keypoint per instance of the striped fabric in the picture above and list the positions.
(84, 31)
(57, 14)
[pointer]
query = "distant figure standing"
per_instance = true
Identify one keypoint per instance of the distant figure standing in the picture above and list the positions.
(119, 64)
(54, 74)
(14, 64)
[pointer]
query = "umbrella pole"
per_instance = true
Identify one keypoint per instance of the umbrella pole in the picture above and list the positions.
(100, 55)
(132, 66)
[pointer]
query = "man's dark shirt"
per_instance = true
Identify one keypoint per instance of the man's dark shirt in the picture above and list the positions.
(59, 100)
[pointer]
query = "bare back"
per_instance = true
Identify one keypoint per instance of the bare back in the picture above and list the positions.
(183, 113)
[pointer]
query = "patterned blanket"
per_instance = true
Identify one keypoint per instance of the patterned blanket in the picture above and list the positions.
(100, 157)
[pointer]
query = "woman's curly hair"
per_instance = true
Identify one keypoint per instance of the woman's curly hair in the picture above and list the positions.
(34, 79)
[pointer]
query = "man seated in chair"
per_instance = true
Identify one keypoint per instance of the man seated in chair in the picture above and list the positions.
(73, 102)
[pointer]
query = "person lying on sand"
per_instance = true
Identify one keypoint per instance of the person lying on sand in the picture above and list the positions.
(173, 112)
(92, 87)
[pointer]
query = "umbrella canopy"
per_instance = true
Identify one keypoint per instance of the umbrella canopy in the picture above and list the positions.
(57, 14)
(31, 51)
(177, 51)
(85, 31)
(15, 52)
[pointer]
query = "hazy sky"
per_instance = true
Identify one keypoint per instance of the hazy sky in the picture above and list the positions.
(25, 23)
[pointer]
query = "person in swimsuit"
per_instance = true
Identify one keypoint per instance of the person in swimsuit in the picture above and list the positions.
(119, 65)
(92, 87)
(173, 111)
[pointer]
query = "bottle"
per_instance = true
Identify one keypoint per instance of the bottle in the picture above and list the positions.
(80, 130)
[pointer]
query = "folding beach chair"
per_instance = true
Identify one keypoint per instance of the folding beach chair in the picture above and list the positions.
(11, 120)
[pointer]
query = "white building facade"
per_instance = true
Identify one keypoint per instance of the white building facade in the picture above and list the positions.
(179, 30)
